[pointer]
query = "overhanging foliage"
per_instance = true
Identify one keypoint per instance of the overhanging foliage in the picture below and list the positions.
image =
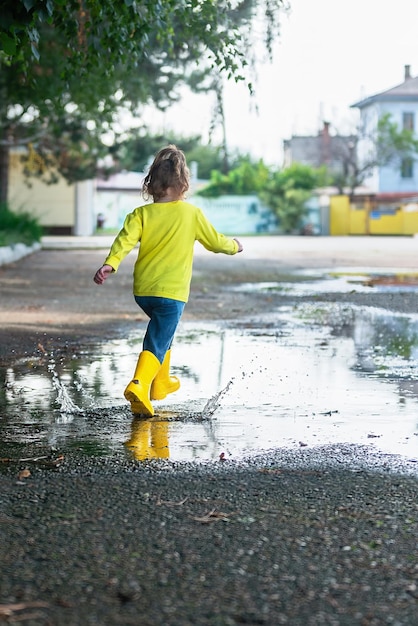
(69, 67)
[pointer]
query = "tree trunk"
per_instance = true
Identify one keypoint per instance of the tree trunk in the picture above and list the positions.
(4, 174)
(225, 160)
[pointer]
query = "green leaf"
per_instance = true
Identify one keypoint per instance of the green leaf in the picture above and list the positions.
(7, 44)
(65, 67)
(28, 4)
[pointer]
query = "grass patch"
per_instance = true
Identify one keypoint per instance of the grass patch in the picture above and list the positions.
(18, 227)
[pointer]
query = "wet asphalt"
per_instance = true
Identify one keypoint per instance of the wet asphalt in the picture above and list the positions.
(314, 536)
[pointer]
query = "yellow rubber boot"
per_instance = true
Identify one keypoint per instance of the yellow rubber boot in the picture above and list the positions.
(163, 383)
(138, 390)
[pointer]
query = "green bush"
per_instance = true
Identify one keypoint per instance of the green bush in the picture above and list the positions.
(18, 227)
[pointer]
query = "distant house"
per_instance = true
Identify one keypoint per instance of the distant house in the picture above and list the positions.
(61, 208)
(324, 148)
(52, 205)
(401, 103)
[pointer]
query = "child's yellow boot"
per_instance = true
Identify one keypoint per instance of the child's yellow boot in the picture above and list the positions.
(138, 390)
(163, 383)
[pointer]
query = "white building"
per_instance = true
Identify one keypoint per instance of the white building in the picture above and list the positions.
(401, 103)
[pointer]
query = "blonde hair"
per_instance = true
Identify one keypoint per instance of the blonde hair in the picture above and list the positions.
(169, 169)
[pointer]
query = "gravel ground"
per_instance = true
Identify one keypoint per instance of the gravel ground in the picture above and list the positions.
(326, 536)
(307, 537)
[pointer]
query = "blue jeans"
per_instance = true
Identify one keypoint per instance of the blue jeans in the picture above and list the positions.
(164, 314)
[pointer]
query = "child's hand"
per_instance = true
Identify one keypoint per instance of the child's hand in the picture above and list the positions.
(240, 246)
(102, 273)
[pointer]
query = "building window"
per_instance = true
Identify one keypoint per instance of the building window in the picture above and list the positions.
(407, 168)
(408, 121)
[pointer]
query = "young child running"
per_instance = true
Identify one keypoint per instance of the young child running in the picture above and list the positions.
(166, 229)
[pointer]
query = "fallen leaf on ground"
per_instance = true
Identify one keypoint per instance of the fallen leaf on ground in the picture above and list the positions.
(25, 473)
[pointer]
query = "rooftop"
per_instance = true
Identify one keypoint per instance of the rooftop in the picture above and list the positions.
(407, 90)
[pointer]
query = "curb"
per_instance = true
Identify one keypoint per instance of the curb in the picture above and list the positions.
(9, 254)
(77, 242)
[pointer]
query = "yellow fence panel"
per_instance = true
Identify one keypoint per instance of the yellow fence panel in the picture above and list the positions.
(410, 222)
(364, 219)
(358, 221)
(386, 223)
(339, 215)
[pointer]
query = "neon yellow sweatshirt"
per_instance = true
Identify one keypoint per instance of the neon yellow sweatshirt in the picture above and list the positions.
(166, 232)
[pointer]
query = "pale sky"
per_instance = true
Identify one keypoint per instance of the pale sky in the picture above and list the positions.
(331, 53)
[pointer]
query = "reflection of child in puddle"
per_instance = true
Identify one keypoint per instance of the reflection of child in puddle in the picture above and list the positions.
(149, 440)
(166, 229)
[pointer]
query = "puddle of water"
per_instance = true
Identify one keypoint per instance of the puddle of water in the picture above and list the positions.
(309, 375)
(307, 282)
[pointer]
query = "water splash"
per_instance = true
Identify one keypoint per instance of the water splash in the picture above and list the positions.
(214, 403)
(63, 400)
(80, 383)
(291, 372)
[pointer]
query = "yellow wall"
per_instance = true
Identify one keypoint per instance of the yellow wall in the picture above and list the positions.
(346, 219)
(53, 205)
(387, 224)
(339, 215)
(358, 221)
(410, 222)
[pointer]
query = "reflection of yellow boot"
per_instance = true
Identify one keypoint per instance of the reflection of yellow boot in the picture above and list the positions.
(139, 441)
(159, 439)
(138, 390)
(163, 383)
(148, 439)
